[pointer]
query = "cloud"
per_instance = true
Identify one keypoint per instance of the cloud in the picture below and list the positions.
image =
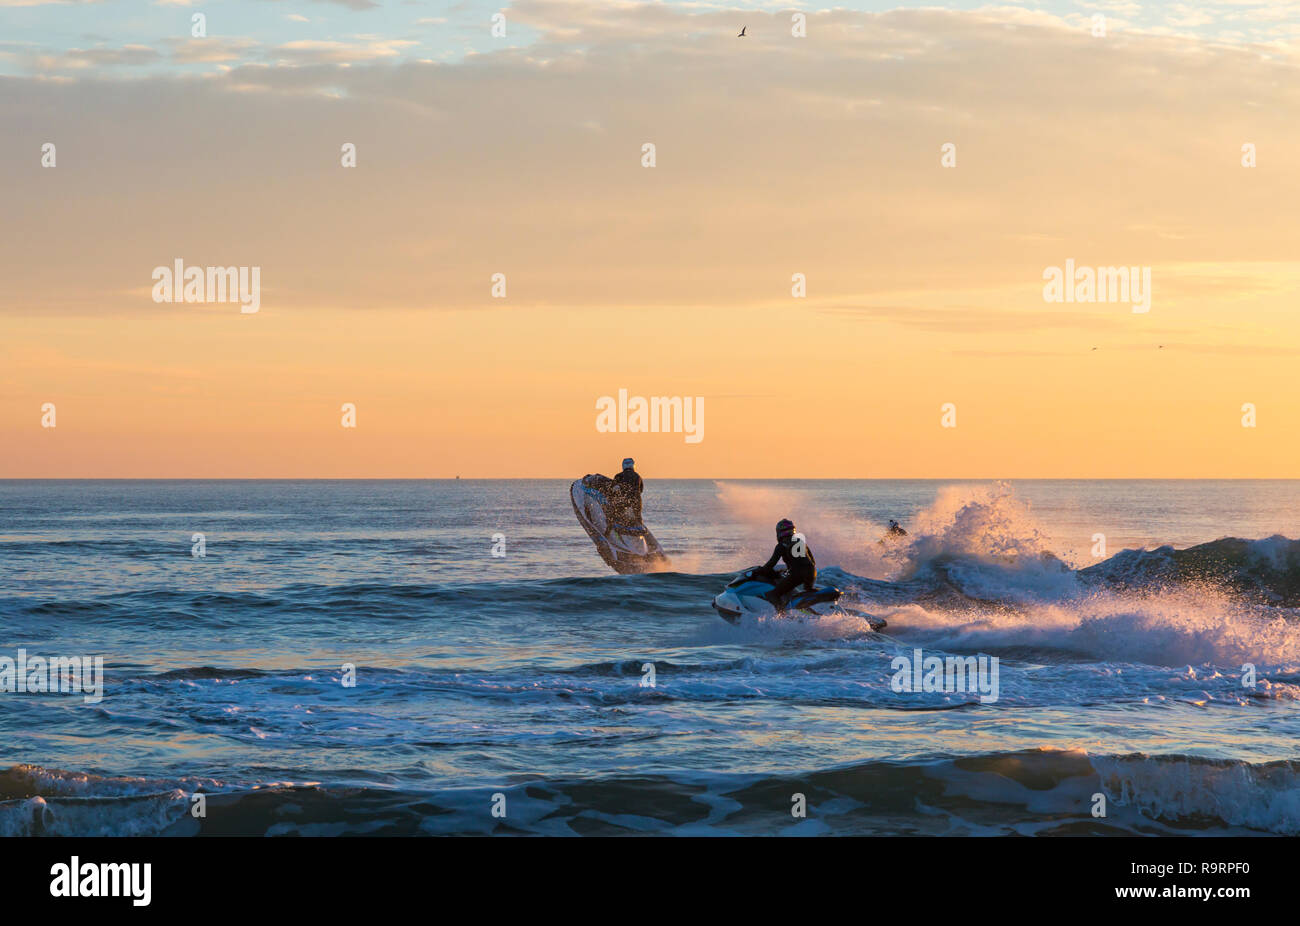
(86, 60)
(777, 155)
(312, 51)
(212, 50)
(353, 4)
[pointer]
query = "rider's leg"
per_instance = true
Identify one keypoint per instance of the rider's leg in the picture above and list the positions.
(787, 584)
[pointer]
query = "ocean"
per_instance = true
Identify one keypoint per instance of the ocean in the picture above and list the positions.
(362, 657)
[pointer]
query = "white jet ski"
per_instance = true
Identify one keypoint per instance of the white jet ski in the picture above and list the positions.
(627, 548)
(744, 595)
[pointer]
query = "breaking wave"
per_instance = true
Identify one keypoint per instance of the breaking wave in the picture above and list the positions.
(1031, 792)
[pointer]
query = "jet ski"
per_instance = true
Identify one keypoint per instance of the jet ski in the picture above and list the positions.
(895, 534)
(744, 596)
(627, 548)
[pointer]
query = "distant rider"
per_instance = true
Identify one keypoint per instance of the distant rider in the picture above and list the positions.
(895, 530)
(628, 486)
(800, 566)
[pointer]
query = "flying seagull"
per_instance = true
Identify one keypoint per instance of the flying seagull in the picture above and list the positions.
(742, 32)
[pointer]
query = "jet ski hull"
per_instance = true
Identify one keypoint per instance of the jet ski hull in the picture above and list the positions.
(628, 549)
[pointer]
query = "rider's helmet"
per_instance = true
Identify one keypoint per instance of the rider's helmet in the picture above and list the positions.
(628, 463)
(784, 530)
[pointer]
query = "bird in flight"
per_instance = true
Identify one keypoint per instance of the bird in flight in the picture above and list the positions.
(742, 32)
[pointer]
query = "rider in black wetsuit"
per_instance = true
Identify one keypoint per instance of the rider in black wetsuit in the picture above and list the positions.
(628, 486)
(800, 567)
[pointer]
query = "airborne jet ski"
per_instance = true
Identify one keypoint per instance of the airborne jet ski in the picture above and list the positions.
(627, 548)
(744, 595)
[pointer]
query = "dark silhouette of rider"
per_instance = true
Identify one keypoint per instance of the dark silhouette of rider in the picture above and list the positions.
(800, 566)
(627, 489)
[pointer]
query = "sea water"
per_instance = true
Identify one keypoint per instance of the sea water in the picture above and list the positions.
(351, 657)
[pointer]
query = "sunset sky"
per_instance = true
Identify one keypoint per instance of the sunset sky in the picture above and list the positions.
(776, 155)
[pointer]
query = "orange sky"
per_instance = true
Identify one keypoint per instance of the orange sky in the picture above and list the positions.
(775, 156)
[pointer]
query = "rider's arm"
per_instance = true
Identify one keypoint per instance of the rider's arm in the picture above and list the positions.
(771, 563)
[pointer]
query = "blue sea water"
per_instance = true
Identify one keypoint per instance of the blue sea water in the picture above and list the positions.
(1125, 616)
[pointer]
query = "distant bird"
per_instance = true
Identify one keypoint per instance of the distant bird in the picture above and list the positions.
(742, 32)
(1094, 348)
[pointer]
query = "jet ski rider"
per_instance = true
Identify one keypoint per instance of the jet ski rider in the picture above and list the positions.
(800, 566)
(628, 486)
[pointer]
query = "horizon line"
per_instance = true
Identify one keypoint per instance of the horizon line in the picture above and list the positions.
(655, 479)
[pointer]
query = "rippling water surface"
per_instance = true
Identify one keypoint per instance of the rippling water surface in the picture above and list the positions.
(1121, 613)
